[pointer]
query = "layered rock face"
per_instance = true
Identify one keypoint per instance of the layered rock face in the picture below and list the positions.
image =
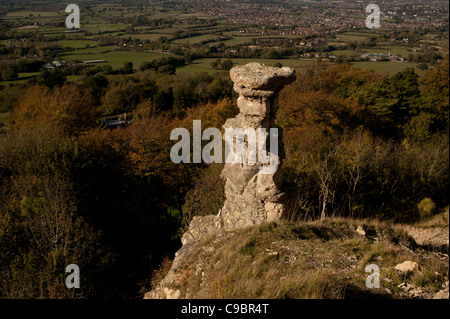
(253, 189)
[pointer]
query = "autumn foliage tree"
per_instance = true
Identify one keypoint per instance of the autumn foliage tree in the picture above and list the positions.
(357, 144)
(67, 109)
(41, 230)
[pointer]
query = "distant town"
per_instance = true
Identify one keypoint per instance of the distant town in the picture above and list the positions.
(213, 35)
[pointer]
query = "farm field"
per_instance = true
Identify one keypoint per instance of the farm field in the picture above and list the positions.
(78, 44)
(343, 52)
(351, 37)
(146, 36)
(386, 67)
(204, 65)
(23, 78)
(92, 50)
(395, 50)
(238, 40)
(73, 78)
(115, 58)
(102, 27)
(31, 14)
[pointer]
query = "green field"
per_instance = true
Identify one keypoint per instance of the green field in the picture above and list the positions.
(88, 51)
(240, 40)
(78, 44)
(197, 39)
(387, 67)
(343, 52)
(147, 36)
(394, 50)
(29, 13)
(50, 30)
(73, 78)
(101, 27)
(27, 75)
(352, 37)
(23, 77)
(430, 36)
(115, 58)
(204, 65)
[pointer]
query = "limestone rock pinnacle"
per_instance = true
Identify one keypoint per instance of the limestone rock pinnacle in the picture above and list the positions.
(254, 77)
(251, 197)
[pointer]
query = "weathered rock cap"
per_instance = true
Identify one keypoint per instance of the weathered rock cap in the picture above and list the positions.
(257, 76)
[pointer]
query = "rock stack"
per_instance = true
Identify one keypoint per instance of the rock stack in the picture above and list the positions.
(253, 195)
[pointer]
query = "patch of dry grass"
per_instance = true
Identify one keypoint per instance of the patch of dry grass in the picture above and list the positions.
(439, 220)
(247, 268)
(275, 261)
(310, 260)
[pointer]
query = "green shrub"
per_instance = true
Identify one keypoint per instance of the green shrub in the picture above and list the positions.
(426, 207)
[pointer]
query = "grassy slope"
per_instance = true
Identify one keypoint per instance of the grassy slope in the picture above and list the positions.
(308, 260)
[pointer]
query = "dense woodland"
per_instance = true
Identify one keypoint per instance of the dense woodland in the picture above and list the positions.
(356, 144)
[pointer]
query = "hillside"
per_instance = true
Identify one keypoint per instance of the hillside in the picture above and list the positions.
(321, 259)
